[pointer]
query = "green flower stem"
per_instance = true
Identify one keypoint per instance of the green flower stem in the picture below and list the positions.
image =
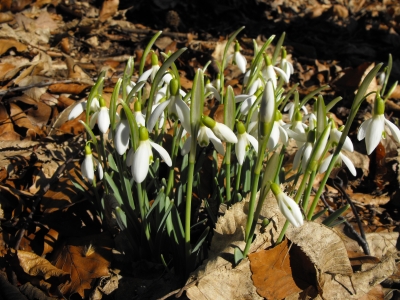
(174, 151)
(282, 234)
(358, 99)
(307, 192)
(237, 179)
(228, 171)
(189, 194)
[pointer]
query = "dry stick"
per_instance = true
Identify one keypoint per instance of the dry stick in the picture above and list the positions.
(338, 183)
(37, 199)
(362, 242)
(152, 32)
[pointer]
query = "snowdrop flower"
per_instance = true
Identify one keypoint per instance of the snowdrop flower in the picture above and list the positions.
(304, 153)
(221, 131)
(267, 105)
(285, 65)
(122, 135)
(152, 71)
(288, 207)
(239, 59)
(247, 101)
(290, 106)
(269, 72)
(137, 113)
(209, 88)
(103, 117)
(278, 132)
(335, 137)
(143, 156)
(176, 107)
(82, 106)
(244, 141)
(374, 129)
(297, 129)
(89, 164)
(205, 135)
(341, 158)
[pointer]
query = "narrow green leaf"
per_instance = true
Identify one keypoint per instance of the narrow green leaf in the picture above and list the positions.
(114, 187)
(201, 239)
(112, 163)
(333, 217)
(237, 256)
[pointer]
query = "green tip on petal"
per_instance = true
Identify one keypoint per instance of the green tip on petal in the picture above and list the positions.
(143, 134)
(154, 59)
(379, 108)
(275, 189)
(240, 127)
(174, 87)
(267, 60)
(237, 46)
(88, 150)
(102, 102)
(278, 115)
(210, 123)
(137, 106)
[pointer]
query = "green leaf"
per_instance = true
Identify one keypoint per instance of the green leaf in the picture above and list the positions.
(333, 217)
(237, 256)
(201, 240)
(278, 48)
(112, 163)
(114, 187)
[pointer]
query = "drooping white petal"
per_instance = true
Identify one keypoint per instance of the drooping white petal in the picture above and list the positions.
(215, 141)
(290, 209)
(95, 105)
(163, 153)
(203, 137)
(140, 162)
(77, 110)
(336, 135)
(103, 120)
(283, 135)
(247, 104)
(297, 158)
(253, 141)
(183, 112)
(186, 146)
(93, 119)
(348, 163)
(87, 168)
(160, 94)
(254, 87)
(269, 74)
(240, 148)
(253, 121)
(154, 70)
(140, 120)
(363, 129)
(122, 134)
(241, 61)
(156, 114)
(99, 168)
(325, 163)
(210, 88)
(284, 76)
(224, 133)
(274, 137)
(129, 87)
(145, 75)
(306, 155)
(394, 130)
(167, 77)
(373, 133)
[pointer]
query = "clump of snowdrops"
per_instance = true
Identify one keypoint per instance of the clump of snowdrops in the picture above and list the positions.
(153, 208)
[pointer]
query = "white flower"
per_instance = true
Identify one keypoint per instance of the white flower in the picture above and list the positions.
(373, 129)
(248, 101)
(303, 155)
(244, 140)
(176, 107)
(81, 107)
(103, 119)
(269, 73)
(341, 158)
(205, 135)
(335, 137)
(209, 88)
(239, 59)
(288, 207)
(143, 156)
(221, 131)
(122, 135)
(291, 108)
(89, 164)
(285, 65)
(278, 132)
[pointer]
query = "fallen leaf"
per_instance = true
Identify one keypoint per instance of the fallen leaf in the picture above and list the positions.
(108, 9)
(6, 44)
(85, 259)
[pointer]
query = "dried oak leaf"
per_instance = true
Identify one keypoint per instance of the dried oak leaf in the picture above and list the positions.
(218, 278)
(6, 44)
(35, 265)
(334, 273)
(85, 259)
(280, 271)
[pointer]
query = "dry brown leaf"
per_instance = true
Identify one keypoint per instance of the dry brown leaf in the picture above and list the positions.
(272, 272)
(68, 88)
(376, 293)
(108, 9)
(369, 199)
(6, 44)
(85, 259)
(35, 265)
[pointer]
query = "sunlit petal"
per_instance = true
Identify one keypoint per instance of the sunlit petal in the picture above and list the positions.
(348, 163)
(163, 153)
(183, 113)
(87, 168)
(284, 76)
(140, 162)
(155, 115)
(253, 141)
(145, 75)
(325, 163)
(363, 129)
(77, 110)
(186, 146)
(122, 134)
(224, 133)
(240, 148)
(290, 209)
(241, 62)
(373, 133)
(93, 119)
(306, 155)
(103, 120)
(394, 130)
(247, 104)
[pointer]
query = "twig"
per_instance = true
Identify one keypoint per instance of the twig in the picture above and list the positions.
(152, 32)
(338, 183)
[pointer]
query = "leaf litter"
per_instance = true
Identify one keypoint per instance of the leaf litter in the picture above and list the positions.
(52, 53)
